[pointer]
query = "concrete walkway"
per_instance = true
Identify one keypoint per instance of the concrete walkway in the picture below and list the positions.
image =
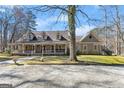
(18, 60)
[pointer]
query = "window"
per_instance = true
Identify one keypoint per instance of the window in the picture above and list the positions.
(30, 37)
(90, 36)
(58, 36)
(84, 47)
(95, 47)
(44, 36)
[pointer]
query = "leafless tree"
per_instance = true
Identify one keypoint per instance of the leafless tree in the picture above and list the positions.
(71, 11)
(119, 33)
(5, 17)
(105, 22)
(14, 22)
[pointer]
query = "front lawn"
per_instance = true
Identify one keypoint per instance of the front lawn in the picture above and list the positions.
(5, 56)
(82, 59)
(47, 60)
(102, 59)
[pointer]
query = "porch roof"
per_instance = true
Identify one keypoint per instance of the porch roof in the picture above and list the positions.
(40, 42)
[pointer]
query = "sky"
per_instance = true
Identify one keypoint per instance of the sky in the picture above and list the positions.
(47, 22)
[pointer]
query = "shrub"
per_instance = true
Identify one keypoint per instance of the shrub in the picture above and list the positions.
(78, 52)
(8, 51)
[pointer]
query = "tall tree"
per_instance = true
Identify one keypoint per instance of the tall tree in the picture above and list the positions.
(5, 16)
(72, 11)
(30, 21)
(23, 21)
(105, 23)
(119, 33)
(71, 24)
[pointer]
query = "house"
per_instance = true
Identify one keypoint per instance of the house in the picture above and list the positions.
(55, 43)
(90, 44)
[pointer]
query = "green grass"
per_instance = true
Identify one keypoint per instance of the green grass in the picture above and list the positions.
(82, 58)
(102, 59)
(48, 60)
(5, 56)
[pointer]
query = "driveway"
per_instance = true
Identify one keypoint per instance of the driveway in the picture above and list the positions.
(62, 76)
(18, 60)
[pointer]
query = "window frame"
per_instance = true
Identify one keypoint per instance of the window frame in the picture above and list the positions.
(84, 47)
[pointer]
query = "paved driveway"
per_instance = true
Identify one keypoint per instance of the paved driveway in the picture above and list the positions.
(62, 76)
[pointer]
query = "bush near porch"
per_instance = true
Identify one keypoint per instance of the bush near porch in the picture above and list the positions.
(88, 59)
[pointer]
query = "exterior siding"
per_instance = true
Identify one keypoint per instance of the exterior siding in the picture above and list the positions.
(90, 48)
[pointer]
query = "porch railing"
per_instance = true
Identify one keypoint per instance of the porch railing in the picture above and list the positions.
(47, 51)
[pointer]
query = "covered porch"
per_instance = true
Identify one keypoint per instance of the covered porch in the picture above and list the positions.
(45, 49)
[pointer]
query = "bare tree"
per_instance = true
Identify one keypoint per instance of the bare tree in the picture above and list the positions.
(71, 24)
(23, 21)
(105, 22)
(5, 17)
(118, 28)
(71, 11)
(14, 22)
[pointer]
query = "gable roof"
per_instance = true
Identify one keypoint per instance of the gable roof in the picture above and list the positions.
(51, 36)
(78, 38)
(86, 38)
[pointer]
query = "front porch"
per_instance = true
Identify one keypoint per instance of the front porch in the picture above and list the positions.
(39, 49)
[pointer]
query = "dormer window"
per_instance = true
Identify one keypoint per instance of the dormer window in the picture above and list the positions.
(44, 36)
(30, 36)
(58, 36)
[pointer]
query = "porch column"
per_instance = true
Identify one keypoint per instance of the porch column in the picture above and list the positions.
(99, 48)
(55, 49)
(34, 48)
(23, 48)
(42, 50)
(65, 48)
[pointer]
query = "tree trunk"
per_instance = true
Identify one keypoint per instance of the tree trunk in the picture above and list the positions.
(118, 28)
(71, 24)
(5, 34)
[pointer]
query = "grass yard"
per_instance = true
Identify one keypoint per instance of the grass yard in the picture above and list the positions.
(5, 56)
(82, 59)
(102, 59)
(47, 60)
